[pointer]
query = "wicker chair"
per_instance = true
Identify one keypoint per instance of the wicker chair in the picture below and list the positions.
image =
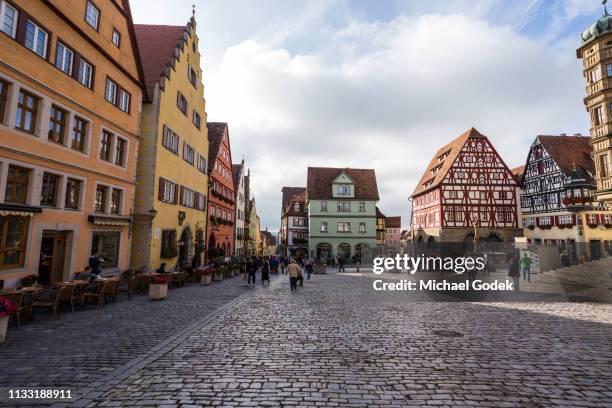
(94, 292)
(17, 299)
(63, 294)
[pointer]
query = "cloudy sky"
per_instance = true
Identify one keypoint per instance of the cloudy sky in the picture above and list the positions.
(381, 84)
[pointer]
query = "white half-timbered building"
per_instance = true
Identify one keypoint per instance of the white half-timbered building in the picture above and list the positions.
(557, 197)
(466, 194)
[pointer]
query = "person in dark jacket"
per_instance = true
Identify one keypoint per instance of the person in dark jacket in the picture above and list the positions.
(513, 270)
(265, 271)
(95, 261)
(309, 269)
(252, 270)
(341, 264)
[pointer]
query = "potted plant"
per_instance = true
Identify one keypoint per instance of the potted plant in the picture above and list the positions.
(218, 273)
(206, 277)
(158, 289)
(29, 280)
(7, 307)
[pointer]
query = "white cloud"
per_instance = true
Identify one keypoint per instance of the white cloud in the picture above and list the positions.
(387, 95)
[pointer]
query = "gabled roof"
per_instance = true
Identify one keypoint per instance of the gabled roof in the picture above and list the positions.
(393, 222)
(236, 172)
(518, 172)
(567, 150)
(443, 160)
(289, 193)
(156, 45)
(379, 213)
(319, 182)
(216, 130)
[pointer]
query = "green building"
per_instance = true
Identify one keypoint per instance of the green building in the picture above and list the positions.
(341, 212)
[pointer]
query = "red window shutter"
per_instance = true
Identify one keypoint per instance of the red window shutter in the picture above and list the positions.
(162, 186)
(574, 221)
(555, 220)
(537, 221)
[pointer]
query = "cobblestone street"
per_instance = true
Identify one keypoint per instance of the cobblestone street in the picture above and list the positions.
(338, 343)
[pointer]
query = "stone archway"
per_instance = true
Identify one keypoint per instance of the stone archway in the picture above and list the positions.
(324, 251)
(344, 251)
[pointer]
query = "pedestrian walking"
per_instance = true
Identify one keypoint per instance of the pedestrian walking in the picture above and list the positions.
(341, 264)
(526, 267)
(293, 270)
(513, 270)
(252, 269)
(265, 271)
(309, 269)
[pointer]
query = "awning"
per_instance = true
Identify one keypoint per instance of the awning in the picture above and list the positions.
(109, 221)
(18, 210)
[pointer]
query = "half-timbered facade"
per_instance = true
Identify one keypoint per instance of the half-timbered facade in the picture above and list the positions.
(557, 197)
(294, 221)
(467, 193)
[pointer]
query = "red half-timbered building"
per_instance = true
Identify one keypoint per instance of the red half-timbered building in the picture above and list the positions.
(467, 192)
(221, 204)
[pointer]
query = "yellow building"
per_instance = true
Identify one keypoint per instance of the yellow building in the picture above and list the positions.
(70, 92)
(170, 205)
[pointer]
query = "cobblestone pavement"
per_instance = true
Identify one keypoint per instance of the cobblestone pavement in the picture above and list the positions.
(338, 343)
(84, 347)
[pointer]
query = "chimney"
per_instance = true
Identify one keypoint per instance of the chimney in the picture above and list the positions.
(578, 134)
(563, 134)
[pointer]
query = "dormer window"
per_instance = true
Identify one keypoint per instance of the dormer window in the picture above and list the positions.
(296, 207)
(344, 189)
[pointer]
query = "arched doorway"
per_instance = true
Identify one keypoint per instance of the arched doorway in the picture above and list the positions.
(185, 247)
(324, 251)
(362, 252)
(344, 251)
(468, 242)
(493, 237)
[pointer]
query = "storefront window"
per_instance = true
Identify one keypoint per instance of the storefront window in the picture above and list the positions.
(13, 239)
(106, 244)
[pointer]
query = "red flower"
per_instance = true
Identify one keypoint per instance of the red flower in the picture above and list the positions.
(6, 307)
(161, 280)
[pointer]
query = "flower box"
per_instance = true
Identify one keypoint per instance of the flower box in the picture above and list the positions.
(3, 326)
(218, 275)
(319, 268)
(158, 291)
(206, 279)
(6, 308)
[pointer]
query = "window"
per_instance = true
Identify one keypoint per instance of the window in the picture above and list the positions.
(181, 102)
(73, 194)
(197, 120)
(17, 182)
(323, 226)
(50, 184)
(604, 167)
(13, 240)
(296, 207)
(120, 151)
(594, 75)
(115, 206)
(202, 163)
(124, 101)
(188, 153)
(116, 37)
(566, 219)
(168, 244)
(344, 227)
(3, 98)
(192, 76)
(362, 206)
(362, 227)
(344, 206)
(100, 201)
(344, 189)
(106, 145)
(8, 19)
(92, 15)
(63, 58)
(598, 118)
(167, 191)
(36, 39)
(78, 134)
(170, 140)
(27, 107)
(201, 201)
(609, 70)
(85, 73)
(110, 92)
(106, 245)
(57, 125)
(323, 206)
(187, 197)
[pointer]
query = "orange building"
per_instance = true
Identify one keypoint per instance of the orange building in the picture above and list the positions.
(221, 204)
(70, 93)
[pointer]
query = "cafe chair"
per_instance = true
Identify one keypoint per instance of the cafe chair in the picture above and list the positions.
(63, 294)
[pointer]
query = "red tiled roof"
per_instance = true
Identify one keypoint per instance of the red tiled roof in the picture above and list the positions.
(236, 171)
(393, 222)
(450, 153)
(319, 182)
(156, 44)
(216, 130)
(379, 214)
(289, 193)
(567, 150)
